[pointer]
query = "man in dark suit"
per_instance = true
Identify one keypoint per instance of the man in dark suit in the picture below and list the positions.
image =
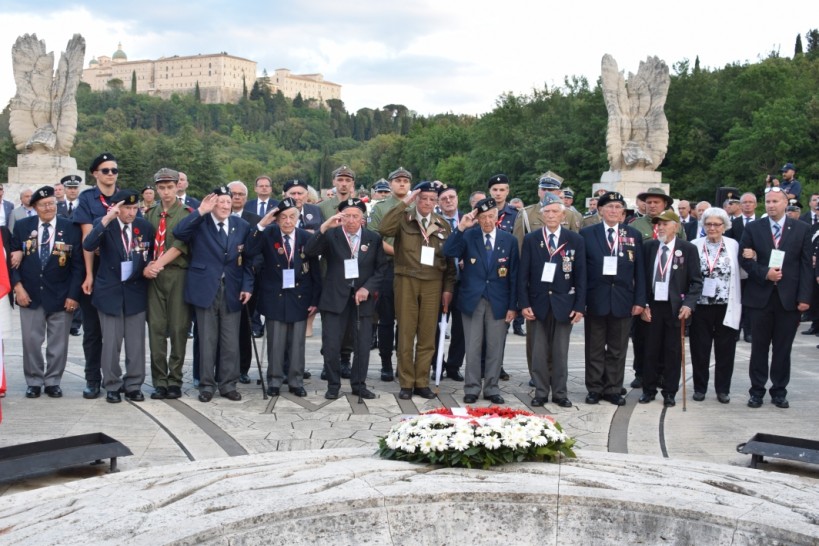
(218, 282)
(289, 293)
(616, 293)
(487, 296)
(310, 217)
(552, 294)
(264, 201)
(674, 284)
(687, 220)
(181, 192)
(47, 288)
(120, 292)
(776, 253)
(7, 208)
(811, 217)
(356, 264)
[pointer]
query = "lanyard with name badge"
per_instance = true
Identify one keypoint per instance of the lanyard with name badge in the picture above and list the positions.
(610, 261)
(661, 287)
(549, 268)
(351, 264)
(709, 285)
(427, 252)
(288, 274)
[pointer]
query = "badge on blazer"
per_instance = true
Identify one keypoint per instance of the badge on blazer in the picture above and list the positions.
(305, 267)
(567, 277)
(363, 248)
(472, 260)
(567, 267)
(62, 260)
(678, 253)
(502, 271)
(630, 255)
(674, 266)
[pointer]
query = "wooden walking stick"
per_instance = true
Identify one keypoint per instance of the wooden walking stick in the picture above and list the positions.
(682, 353)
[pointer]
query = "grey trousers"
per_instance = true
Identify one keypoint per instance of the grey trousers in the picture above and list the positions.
(115, 329)
(551, 345)
(217, 325)
(477, 326)
(285, 337)
(35, 324)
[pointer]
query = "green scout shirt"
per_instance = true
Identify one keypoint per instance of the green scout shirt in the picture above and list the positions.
(175, 215)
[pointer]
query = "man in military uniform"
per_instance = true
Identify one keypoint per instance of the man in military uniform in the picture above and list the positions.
(592, 216)
(400, 180)
(344, 184)
(168, 314)
(424, 280)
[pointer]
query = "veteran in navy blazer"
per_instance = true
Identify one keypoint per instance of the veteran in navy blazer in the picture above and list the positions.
(356, 266)
(218, 282)
(552, 293)
(488, 294)
(120, 292)
(616, 292)
(46, 286)
(776, 293)
(288, 294)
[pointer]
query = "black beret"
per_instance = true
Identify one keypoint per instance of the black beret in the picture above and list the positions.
(221, 190)
(293, 183)
(148, 187)
(610, 197)
(166, 175)
(427, 186)
(353, 202)
(497, 179)
(400, 172)
(126, 197)
(286, 203)
(344, 170)
(42, 193)
(485, 205)
(102, 158)
(72, 181)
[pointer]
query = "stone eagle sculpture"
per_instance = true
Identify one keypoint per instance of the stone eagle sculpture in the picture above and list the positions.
(43, 116)
(637, 136)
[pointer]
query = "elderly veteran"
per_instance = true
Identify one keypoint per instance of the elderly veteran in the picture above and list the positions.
(487, 295)
(552, 294)
(120, 292)
(47, 290)
(355, 272)
(616, 293)
(716, 318)
(674, 281)
(424, 280)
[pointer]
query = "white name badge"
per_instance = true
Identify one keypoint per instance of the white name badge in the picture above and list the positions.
(289, 278)
(777, 258)
(609, 265)
(427, 255)
(351, 268)
(709, 287)
(126, 269)
(548, 272)
(661, 291)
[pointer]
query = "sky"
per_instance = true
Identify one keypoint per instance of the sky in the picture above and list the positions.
(433, 56)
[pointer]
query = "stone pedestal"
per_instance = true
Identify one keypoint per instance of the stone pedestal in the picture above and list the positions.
(34, 171)
(631, 183)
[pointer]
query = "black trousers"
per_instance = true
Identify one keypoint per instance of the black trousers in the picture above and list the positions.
(662, 350)
(707, 330)
(385, 306)
(91, 340)
(606, 348)
(336, 328)
(772, 327)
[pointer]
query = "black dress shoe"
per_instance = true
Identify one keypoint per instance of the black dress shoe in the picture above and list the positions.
(306, 374)
(387, 376)
(538, 402)
(160, 393)
(76, 331)
(113, 397)
(424, 392)
(755, 401)
(723, 397)
(257, 334)
(503, 375)
(470, 398)
(135, 396)
(780, 402)
(637, 382)
(699, 396)
(272, 391)
(645, 398)
(331, 394)
(346, 371)
(562, 402)
(810, 331)
(364, 393)
(174, 392)
(405, 394)
(616, 399)
(243, 378)
(454, 375)
(92, 390)
(623, 391)
(323, 375)
(532, 383)
(232, 395)
(518, 331)
(593, 398)
(495, 399)
(668, 401)
(54, 391)
(748, 338)
(205, 396)
(34, 392)
(298, 391)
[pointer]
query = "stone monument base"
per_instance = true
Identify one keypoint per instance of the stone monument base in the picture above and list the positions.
(631, 183)
(35, 170)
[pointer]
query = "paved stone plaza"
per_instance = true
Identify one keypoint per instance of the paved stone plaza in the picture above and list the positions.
(176, 431)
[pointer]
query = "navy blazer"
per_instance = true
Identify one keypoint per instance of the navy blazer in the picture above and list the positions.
(337, 292)
(253, 205)
(64, 271)
(614, 294)
(496, 280)
(210, 261)
(567, 292)
(685, 280)
(797, 281)
(111, 295)
(8, 207)
(277, 303)
(691, 228)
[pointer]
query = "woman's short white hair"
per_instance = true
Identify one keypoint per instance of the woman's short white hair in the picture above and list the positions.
(716, 212)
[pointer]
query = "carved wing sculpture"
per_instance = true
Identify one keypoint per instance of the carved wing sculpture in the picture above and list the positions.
(637, 136)
(43, 117)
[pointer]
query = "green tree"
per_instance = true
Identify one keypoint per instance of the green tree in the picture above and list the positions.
(133, 82)
(797, 49)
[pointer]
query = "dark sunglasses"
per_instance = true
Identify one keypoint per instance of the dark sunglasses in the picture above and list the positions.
(109, 171)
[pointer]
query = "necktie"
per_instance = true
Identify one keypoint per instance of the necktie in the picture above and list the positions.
(777, 234)
(611, 239)
(159, 243)
(301, 219)
(552, 245)
(44, 250)
(223, 238)
(661, 270)
(452, 224)
(815, 219)
(353, 244)
(70, 208)
(262, 208)
(702, 232)
(287, 248)
(488, 246)
(424, 223)
(747, 219)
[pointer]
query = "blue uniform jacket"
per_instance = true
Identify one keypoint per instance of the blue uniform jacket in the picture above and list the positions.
(111, 295)
(209, 260)
(62, 275)
(567, 291)
(496, 281)
(285, 304)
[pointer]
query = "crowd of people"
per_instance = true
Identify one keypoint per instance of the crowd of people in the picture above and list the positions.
(392, 270)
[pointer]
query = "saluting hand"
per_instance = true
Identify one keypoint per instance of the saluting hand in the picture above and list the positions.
(207, 204)
(269, 218)
(467, 220)
(331, 222)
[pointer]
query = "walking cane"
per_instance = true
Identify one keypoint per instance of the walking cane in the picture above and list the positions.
(256, 352)
(357, 358)
(682, 352)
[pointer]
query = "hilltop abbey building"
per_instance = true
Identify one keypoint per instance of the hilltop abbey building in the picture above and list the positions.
(221, 77)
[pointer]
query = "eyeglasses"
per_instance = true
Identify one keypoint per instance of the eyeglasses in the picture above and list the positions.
(774, 188)
(712, 225)
(109, 171)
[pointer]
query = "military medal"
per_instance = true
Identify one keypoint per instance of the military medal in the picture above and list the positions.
(674, 266)
(567, 266)
(502, 271)
(362, 248)
(621, 254)
(472, 260)
(678, 253)
(61, 260)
